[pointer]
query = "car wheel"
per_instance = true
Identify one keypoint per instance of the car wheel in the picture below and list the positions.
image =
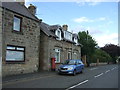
(74, 72)
(58, 73)
(81, 71)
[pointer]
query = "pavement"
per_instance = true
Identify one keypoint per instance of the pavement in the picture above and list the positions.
(27, 76)
(31, 75)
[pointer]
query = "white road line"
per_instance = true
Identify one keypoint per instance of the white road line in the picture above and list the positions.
(113, 68)
(93, 68)
(77, 85)
(98, 75)
(107, 71)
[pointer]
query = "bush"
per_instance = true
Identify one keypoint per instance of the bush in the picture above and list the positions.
(101, 55)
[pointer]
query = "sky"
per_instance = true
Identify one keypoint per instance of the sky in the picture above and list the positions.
(99, 18)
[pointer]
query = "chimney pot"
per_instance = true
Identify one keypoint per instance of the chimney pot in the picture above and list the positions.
(32, 9)
(22, 2)
(65, 27)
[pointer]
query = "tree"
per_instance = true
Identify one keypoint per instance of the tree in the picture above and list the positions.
(88, 43)
(101, 55)
(112, 50)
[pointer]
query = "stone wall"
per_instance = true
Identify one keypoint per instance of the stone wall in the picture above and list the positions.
(29, 38)
(1, 47)
(48, 46)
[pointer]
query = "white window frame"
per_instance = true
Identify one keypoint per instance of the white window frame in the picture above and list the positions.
(56, 33)
(75, 55)
(17, 23)
(75, 40)
(57, 51)
(68, 35)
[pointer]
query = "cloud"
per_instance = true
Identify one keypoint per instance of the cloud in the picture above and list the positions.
(92, 30)
(88, 20)
(93, 3)
(61, 0)
(106, 39)
(102, 37)
(102, 18)
(82, 19)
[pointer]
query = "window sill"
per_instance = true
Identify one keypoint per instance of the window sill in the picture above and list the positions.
(57, 63)
(15, 62)
(58, 39)
(17, 32)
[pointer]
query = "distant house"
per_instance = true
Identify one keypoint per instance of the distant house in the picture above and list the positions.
(20, 38)
(57, 42)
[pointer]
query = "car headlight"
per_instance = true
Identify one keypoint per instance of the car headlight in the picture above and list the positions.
(70, 68)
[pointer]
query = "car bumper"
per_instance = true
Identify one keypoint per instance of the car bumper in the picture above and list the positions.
(65, 71)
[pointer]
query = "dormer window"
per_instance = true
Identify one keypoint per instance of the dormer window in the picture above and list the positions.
(68, 35)
(58, 34)
(75, 40)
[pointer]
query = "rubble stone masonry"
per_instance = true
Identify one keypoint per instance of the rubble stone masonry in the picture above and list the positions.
(48, 46)
(29, 38)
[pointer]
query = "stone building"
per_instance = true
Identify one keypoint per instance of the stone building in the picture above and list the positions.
(57, 42)
(20, 38)
(29, 44)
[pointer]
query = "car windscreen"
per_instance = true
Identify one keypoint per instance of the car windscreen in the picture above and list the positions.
(70, 62)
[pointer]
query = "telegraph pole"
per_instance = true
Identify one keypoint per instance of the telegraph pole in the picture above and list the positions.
(87, 48)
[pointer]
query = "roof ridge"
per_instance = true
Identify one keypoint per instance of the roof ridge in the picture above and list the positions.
(29, 11)
(19, 9)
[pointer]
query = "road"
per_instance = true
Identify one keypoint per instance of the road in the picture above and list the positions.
(94, 77)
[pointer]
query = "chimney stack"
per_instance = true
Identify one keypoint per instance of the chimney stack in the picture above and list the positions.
(22, 2)
(32, 9)
(65, 27)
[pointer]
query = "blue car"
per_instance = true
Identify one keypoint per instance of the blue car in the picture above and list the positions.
(71, 67)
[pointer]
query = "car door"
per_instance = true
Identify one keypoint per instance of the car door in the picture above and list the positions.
(79, 65)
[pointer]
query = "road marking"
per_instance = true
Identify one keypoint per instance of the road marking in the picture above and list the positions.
(77, 85)
(98, 75)
(113, 68)
(107, 71)
(24, 80)
(93, 68)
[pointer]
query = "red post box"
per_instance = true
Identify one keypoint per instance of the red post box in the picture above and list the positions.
(53, 66)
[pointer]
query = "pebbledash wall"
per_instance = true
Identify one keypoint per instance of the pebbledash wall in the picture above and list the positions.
(28, 38)
(48, 46)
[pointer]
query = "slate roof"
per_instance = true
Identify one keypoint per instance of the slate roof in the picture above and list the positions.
(68, 40)
(75, 35)
(54, 27)
(45, 28)
(19, 9)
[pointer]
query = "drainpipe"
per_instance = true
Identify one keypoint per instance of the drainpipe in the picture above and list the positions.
(1, 51)
(39, 47)
(3, 32)
(72, 49)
